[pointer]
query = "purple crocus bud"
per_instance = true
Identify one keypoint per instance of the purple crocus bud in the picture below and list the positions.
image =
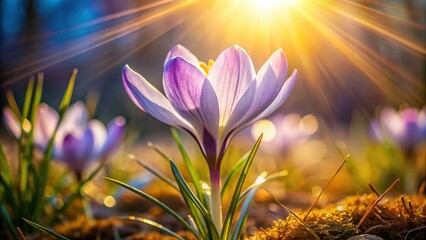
(78, 141)
(406, 128)
(213, 103)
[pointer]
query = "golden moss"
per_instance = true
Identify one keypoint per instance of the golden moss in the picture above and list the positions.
(160, 236)
(391, 219)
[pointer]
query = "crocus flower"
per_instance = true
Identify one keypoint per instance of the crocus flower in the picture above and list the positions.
(212, 102)
(282, 131)
(78, 141)
(405, 128)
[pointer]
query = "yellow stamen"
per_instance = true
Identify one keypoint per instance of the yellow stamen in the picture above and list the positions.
(26, 125)
(208, 66)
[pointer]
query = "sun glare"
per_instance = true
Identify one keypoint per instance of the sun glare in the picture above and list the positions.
(267, 6)
(270, 3)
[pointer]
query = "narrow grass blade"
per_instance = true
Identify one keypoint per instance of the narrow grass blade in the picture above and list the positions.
(22, 147)
(156, 202)
(155, 225)
(77, 192)
(66, 99)
(154, 172)
(226, 230)
(27, 100)
(376, 202)
(419, 228)
(41, 179)
(21, 234)
(116, 234)
(237, 167)
(45, 229)
(9, 196)
(8, 221)
(95, 172)
(190, 197)
(243, 214)
(326, 186)
(294, 214)
(157, 150)
(5, 172)
(263, 178)
(27, 163)
(195, 178)
(13, 105)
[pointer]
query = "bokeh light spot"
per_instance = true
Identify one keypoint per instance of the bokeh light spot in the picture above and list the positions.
(266, 127)
(109, 201)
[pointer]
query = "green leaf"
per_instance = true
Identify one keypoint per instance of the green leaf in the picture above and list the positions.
(9, 196)
(195, 178)
(77, 192)
(226, 230)
(8, 221)
(29, 147)
(12, 104)
(41, 178)
(45, 229)
(116, 234)
(22, 147)
(191, 199)
(156, 202)
(5, 172)
(154, 172)
(237, 167)
(243, 214)
(27, 100)
(155, 225)
(66, 99)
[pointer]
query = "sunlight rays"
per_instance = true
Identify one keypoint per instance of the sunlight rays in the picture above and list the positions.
(64, 51)
(377, 43)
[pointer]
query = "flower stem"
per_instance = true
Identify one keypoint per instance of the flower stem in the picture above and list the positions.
(216, 203)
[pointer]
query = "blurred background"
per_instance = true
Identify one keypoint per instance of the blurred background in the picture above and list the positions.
(353, 58)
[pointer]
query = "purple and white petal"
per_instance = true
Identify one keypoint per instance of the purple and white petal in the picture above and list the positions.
(75, 119)
(421, 119)
(393, 124)
(279, 99)
(270, 80)
(231, 76)
(181, 51)
(150, 100)
(76, 151)
(192, 95)
(115, 134)
(47, 119)
(412, 129)
(11, 122)
(99, 137)
(376, 130)
(239, 114)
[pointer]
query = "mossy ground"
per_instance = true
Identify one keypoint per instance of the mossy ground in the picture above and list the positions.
(391, 219)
